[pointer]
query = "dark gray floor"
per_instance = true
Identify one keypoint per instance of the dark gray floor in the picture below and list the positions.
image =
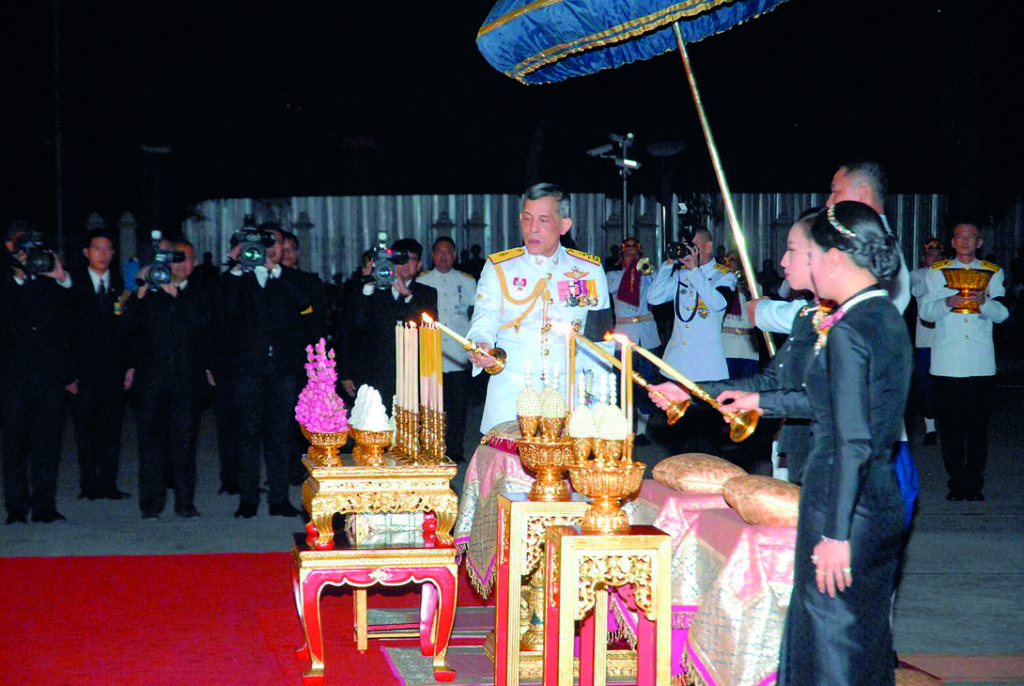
(961, 591)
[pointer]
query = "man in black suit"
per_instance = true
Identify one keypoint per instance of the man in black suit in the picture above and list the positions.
(262, 311)
(169, 328)
(97, 348)
(314, 328)
(36, 371)
(374, 312)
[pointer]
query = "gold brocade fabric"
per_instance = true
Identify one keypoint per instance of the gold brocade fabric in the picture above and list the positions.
(737, 632)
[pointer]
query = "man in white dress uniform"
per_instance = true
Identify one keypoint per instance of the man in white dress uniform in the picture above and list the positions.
(525, 298)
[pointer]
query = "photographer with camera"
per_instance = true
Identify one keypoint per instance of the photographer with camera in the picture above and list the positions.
(262, 311)
(699, 289)
(390, 294)
(169, 329)
(37, 370)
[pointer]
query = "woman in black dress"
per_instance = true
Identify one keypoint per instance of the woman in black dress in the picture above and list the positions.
(851, 512)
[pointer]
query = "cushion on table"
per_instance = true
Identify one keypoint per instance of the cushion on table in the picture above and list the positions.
(762, 500)
(695, 472)
(503, 437)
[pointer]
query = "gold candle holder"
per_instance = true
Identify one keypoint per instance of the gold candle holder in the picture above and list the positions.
(581, 448)
(606, 486)
(549, 458)
(371, 446)
(528, 426)
(324, 446)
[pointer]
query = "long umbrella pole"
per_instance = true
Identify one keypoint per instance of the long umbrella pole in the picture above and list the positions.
(730, 209)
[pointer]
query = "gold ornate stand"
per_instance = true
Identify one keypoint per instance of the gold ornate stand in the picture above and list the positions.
(399, 485)
(517, 643)
(580, 570)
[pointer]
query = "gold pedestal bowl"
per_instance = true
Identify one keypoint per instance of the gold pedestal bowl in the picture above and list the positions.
(371, 446)
(606, 486)
(969, 283)
(549, 458)
(323, 446)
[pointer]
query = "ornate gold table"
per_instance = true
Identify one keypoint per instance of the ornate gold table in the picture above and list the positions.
(433, 566)
(399, 485)
(580, 569)
(521, 527)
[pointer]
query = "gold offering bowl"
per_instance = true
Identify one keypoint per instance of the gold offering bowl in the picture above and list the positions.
(372, 445)
(324, 445)
(549, 458)
(606, 486)
(969, 283)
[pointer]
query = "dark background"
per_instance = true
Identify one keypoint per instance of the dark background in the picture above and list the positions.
(347, 98)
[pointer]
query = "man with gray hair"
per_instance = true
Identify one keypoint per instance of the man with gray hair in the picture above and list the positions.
(526, 298)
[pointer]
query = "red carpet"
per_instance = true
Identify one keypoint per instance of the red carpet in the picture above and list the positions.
(176, 619)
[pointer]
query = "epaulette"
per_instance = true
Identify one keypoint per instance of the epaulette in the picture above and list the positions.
(723, 268)
(497, 257)
(584, 256)
(467, 275)
(941, 264)
(990, 265)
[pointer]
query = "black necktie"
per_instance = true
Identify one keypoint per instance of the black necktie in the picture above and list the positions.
(102, 290)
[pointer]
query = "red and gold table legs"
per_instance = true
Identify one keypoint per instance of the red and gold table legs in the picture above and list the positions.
(580, 568)
(310, 583)
(521, 526)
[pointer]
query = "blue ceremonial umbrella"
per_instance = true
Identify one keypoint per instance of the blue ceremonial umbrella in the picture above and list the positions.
(542, 41)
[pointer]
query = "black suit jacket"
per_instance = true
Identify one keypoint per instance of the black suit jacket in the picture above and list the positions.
(33, 335)
(96, 324)
(263, 327)
(372, 333)
(170, 339)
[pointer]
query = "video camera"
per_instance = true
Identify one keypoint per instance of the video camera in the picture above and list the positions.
(159, 260)
(254, 242)
(384, 262)
(39, 259)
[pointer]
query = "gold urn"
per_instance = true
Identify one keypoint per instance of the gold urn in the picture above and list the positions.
(970, 283)
(606, 485)
(323, 446)
(549, 458)
(371, 446)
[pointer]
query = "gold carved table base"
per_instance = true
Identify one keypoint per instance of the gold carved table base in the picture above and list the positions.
(399, 485)
(580, 569)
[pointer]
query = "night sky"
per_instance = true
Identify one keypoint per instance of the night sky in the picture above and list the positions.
(343, 98)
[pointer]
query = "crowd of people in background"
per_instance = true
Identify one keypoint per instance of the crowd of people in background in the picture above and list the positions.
(232, 336)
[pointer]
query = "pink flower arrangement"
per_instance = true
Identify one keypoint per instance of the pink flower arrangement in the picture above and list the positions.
(320, 409)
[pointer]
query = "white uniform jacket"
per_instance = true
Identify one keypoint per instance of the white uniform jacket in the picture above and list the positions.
(455, 292)
(635, 321)
(963, 344)
(509, 314)
(695, 346)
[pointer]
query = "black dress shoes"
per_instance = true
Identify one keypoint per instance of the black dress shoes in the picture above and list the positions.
(955, 496)
(284, 509)
(230, 489)
(114, 494)
(47, 516)
(247, 510)
(931, 438)
(12, 518)
(187, 512)
(88, 494)
(975, 497)
(150, 516)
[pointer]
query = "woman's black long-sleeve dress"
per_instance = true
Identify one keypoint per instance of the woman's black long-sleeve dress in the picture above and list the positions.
(784, 372)
(856, 391)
